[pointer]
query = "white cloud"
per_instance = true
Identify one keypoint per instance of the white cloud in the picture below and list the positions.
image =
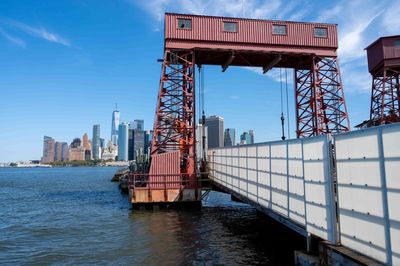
(12, 39)
(391, 18)
(39, 32)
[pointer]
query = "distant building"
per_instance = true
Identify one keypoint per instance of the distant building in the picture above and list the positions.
(96, 142)
(114, 126)
(76, 143)
(251, 133)
(247, 137)
(48, 149)
(77, 154)
(148, 136)
(123, 133)
(137, 124)
(229, 137)
(139, 140)
(110, 152)
(88, 155)
(131, 144)
(215, 131)
(102, 143)
(58, 151)
(85, 142)
(64, 152)
(199, 142)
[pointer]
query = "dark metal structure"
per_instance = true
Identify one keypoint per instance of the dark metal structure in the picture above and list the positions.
(384, 66)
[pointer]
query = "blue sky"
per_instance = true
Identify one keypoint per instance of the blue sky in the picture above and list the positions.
(64, 64)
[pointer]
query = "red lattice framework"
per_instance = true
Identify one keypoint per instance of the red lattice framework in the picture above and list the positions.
(385, 97)
(320, 103)
(174, 123)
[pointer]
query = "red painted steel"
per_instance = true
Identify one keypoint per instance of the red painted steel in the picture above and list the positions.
(384, 66)
(165, 168)
(320, 103)
(174, 123)
(252, 34)
(384, 52)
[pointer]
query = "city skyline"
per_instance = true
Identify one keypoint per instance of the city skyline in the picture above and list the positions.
(65, 74)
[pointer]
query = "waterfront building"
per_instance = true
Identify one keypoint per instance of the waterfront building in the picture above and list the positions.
(48, 149)
(123, 134)
(64, 152)
(57, 151)
(88, 155)
(85, 141)
(110, 152)
(215, 131)
(229, 137)
(96, 142)
(199, 141)
(76, 154)
(114, 126)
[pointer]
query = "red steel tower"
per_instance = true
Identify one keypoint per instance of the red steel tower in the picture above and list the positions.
(384, 66)
(189, 40)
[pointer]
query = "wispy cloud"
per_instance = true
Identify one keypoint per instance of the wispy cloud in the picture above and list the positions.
(38, 31)
(12, 39)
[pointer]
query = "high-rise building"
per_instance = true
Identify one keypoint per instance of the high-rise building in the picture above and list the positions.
(229, 137)
(96, 142)
(64, 152)
(215, 131)
(131, 144)
(102, 143)
(148, 135)
(139, 136)
(114, 126)
(137, 124)
(58, 152)
(199, 142)
(123, 133)
(76, 154)
(247, 137)
(76, 143)
(48, 149)
(85, 142)
(251, 133)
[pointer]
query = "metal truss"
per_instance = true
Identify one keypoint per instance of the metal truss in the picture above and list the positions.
(320, 103)
(174, 123)
(385, 97)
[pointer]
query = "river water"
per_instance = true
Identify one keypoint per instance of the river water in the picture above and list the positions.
(69, 216)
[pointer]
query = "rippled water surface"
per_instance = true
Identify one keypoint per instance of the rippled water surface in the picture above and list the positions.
(74, 216)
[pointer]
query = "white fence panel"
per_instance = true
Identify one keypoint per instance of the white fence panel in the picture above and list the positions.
(279, 178)
(319, 197)
(296, 181)
(264, 175)
(368, 177)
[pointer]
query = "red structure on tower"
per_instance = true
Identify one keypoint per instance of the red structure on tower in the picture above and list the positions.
(384, 66)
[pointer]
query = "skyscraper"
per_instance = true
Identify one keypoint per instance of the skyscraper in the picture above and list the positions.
(123, 132)
(215, 131)
(247, 137)
(139, 136)
(96, 142)
(229, 137)
(137, 124)
(114, 126)
(147, 141)
(64, 152)
(131, 144)
(85, 141)
(48, 149)
(58, 152)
